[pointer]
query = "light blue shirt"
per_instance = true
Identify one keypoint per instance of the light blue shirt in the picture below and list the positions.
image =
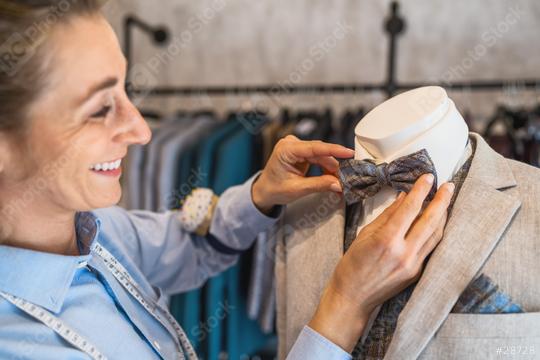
(159, 255)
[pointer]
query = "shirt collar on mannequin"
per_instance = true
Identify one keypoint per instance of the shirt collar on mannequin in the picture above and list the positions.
(445, 143)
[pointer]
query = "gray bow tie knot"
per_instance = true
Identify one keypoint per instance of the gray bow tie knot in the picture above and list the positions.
(361, 179)
(382, 174)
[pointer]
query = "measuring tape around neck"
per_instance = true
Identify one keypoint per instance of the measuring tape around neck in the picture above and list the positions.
(123, 277)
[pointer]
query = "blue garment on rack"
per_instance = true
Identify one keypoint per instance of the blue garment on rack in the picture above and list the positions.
(169, 129)
(167, 193)
(187, 307)
(226, 157)
(233, 165)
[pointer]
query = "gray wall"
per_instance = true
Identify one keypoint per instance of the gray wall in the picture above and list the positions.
(235, 42)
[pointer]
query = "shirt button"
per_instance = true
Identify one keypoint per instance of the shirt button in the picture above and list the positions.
(156, 344)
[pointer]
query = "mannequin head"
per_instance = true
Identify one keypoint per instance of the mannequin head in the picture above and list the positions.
(423, 118)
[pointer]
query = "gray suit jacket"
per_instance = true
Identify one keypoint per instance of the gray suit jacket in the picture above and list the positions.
(494, 229)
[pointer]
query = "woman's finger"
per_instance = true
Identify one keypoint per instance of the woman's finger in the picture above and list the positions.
(430, 219)
(328, 163)
(315, 148)
(312, 184)
(407, 212)
(433, 240)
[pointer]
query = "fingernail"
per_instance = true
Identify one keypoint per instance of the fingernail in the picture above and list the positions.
(430, 178)
(336, 187)
(450, 187)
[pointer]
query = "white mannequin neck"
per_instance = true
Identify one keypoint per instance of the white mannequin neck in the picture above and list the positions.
(423, 118)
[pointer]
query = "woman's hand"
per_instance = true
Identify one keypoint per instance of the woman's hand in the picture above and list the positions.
(283, 179)
(384, 259)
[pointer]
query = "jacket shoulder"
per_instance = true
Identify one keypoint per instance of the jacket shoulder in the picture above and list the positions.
(526, 175)
(527, 187)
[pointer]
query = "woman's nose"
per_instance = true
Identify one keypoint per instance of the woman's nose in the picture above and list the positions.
(134, 129)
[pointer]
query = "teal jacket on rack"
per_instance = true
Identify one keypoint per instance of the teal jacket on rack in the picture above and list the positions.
(216, 314)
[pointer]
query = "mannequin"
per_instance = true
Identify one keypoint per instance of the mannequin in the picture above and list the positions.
(423, 118)
(489, 234)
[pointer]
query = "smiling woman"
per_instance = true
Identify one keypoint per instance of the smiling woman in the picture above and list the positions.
(64, 115)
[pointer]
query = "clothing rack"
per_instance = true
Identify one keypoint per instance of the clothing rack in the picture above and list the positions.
(394, 26)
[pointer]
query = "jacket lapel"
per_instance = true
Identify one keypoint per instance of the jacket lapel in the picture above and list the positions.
(481, 213)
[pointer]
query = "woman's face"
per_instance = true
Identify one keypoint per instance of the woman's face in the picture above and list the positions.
(82, 120)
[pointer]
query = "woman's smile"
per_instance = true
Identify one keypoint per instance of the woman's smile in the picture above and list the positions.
(110, 168)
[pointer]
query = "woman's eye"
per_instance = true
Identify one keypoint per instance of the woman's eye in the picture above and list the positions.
(102, 112)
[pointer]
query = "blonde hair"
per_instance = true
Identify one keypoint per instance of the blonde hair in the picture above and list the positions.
(24, 26)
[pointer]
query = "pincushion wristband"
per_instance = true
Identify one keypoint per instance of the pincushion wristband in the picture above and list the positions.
(197, 211)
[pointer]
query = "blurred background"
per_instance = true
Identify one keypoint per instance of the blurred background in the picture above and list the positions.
(220, 81)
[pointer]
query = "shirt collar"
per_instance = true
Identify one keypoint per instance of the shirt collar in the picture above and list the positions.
(45, 278)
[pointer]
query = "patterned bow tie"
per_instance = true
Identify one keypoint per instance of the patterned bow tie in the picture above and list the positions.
(361, 179)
